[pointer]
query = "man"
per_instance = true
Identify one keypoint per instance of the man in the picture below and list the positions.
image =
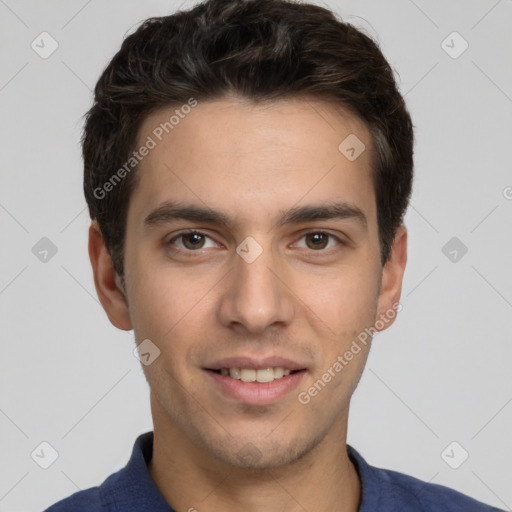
(247, 168)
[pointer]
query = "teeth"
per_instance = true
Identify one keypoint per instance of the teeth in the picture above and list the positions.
(251, 375)
(235, 373)
(278, 372)
(265, 375)
(247, 375)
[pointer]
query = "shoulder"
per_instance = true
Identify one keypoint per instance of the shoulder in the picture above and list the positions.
(88, 500)
(129, 488)
(103, 498)
(429, 497)
(107, 497)
(387, 490)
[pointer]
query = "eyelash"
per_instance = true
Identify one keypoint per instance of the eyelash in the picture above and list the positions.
(195, 232)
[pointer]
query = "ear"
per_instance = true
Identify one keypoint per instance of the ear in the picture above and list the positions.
(391, 281)
(107, 282)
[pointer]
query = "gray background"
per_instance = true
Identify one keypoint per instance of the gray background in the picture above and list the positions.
(440, 374)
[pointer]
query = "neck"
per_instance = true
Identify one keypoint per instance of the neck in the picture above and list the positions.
(189, 478)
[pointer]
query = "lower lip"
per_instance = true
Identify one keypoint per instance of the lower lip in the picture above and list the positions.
(257, 393)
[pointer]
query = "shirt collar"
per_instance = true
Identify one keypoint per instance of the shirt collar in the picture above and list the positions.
(132, 488)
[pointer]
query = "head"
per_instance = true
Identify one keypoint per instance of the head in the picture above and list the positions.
(241, 109)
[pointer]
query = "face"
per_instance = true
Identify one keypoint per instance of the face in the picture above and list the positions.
(252, 251)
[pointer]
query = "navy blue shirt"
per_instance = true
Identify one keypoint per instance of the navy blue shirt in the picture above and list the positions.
(131, 489)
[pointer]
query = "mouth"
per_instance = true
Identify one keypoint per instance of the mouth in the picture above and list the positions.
(255, 381)
(261, 375)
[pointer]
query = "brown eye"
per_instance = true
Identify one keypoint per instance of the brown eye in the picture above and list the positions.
(193, 240)
(317, 240)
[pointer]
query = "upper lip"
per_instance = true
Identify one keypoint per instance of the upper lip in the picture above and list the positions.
(255, 363)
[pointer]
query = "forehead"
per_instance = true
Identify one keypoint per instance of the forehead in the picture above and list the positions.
(254, 159)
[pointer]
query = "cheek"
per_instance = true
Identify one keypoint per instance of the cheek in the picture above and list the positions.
(162, 298)
(173, 308)
(345, 300)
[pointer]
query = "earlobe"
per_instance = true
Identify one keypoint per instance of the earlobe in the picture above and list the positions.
(108, 284)
(391, 281)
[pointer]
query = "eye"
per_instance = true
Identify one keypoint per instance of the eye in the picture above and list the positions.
(319, 240)
(193, 241)
(190, 241)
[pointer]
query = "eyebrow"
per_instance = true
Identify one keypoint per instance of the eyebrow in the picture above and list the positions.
(170, 211)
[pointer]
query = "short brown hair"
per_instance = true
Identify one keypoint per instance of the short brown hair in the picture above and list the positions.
(261, 50)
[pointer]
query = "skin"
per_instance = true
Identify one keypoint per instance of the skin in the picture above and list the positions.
(296, 300)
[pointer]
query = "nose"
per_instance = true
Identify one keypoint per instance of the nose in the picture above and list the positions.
(258, 293)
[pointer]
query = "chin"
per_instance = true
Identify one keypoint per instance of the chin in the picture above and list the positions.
(261, 454)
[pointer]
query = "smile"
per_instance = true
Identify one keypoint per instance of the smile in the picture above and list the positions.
(255, 374)
(255, 386)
